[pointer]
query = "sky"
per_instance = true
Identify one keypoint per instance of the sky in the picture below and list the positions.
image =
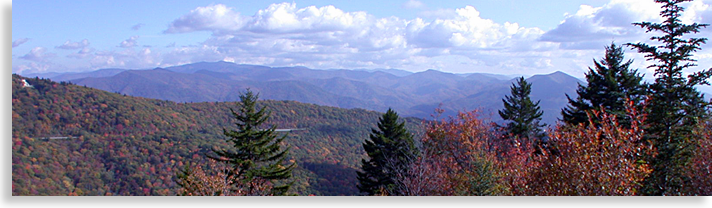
(511, 37)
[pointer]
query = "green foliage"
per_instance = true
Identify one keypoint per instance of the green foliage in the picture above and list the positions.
(522, 113)
(610, 85)
(257, 154)
(391, 150)
(676, 107)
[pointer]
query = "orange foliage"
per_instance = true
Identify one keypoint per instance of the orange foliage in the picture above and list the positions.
(457, 159)
(596, 159)
(465, 155)
(215, 180)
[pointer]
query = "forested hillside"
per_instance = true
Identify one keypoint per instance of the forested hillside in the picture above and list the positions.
(73, 140)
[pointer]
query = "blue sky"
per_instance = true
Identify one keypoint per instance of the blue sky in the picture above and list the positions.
(494, 36)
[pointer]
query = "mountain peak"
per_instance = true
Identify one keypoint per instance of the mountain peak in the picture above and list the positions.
(558, 77)
(431, 71)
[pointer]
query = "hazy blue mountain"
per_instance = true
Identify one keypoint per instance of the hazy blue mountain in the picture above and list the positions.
(549, 88)
(411, 94)
(77, 75)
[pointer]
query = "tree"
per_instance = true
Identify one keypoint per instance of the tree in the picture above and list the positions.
(593, 160)
(610, 84)
(522, 113)
(257, 157)
(460, 154)
(701, 164)
(676, 107)
(391, 150)
(214, 180)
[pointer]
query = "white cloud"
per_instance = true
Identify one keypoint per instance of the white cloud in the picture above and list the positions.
(211, 18)
(593, 27)
(19, 42)
(38, 54)
(468, 31)
(128, 58)
(31, 67)
(328, 36)
(69, 45)
(128, 43)
(82, 53)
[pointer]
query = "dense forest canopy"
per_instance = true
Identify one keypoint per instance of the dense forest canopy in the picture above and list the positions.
(68, 139)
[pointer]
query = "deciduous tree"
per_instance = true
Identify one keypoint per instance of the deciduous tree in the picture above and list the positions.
(216, 179)
(462, 150)
(600, 159)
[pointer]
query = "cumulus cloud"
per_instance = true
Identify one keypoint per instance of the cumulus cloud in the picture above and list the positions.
(128, 58)
(82, 53)
(128, 43)
(468, 30)
(38, 54)
(69, 45)
(30, 67)
(455, 40)
(19, 42)
(215, 17)
(591, 28)
(324, 36)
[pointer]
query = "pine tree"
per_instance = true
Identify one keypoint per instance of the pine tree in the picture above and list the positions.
(676, 107)
(257, 157)
(523, 115)
(391, 150)
(610, 85)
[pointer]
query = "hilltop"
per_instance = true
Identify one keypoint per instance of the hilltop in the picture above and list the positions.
(111, 144)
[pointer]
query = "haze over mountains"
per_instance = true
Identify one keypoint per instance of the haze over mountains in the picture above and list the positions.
(411, 94)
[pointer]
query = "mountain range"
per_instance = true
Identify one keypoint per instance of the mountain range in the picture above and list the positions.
(411, 94)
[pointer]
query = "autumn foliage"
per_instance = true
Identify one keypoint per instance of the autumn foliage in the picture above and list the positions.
(602, 159)
(457, 159)
(465, 155)
(214, 179)
(700, 168)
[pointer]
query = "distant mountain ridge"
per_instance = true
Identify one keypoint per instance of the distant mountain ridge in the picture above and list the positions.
(411, 94)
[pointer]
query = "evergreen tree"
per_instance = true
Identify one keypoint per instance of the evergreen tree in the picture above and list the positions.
(610, 84)
(391, 150)
(676, 107)
(523, 115)
(257, 157)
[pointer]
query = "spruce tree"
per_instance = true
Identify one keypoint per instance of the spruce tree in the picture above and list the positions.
(391, 150)
(256, 156)
(522, 114)
(609, 85)
(676, 107)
